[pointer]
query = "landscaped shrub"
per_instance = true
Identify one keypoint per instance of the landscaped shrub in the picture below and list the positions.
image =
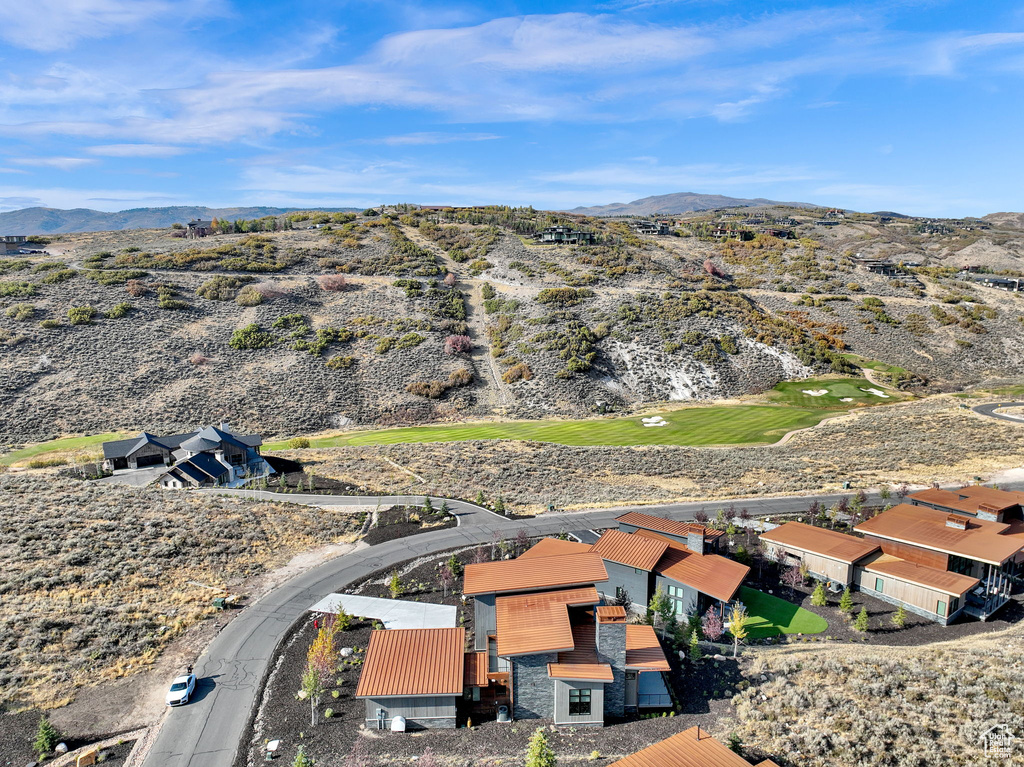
(251, 337)
(81, 315)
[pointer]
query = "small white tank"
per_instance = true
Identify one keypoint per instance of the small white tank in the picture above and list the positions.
(398, 724)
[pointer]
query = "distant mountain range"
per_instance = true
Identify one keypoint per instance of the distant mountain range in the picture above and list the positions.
(680, 202)
(56, 221)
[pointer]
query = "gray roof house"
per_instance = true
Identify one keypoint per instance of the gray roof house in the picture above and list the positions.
(209, 457)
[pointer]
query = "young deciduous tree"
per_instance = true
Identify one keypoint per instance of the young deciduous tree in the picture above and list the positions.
(738, 619)
(479, 555)
(539, 752)
(818, 598)
(846, 601)
(445, 577)
(711, 625)
(792, 578)
(321, 664)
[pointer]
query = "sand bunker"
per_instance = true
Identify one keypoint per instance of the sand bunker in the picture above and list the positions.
(877, 393)
(816, 392)
(846, 399)
(656, 420)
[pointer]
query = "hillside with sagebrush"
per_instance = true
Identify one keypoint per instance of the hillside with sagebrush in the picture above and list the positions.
(422, 316)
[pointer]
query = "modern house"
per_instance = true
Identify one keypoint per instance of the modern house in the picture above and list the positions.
(651, 227)
(198, 228)
(565, 235)
(943, 555)
(690, 748)
(210, 457)
(417, 674)
(11, 243)
(553, 650)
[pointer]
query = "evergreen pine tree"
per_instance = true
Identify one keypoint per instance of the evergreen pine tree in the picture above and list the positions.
(499, 505)
(695, 653)
(428, 507)
(481, 499)
(899, 618)
(861, 623)
(846, 601)
(46, 738)
(446, 510)
(818, 597)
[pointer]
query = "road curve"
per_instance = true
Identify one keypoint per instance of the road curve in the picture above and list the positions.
(991, 408)
(208, 731)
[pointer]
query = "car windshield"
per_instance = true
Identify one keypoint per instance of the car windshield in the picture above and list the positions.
(178, 686)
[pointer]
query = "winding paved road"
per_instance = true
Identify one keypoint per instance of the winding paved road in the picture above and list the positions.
(208, 732)
(990, 411)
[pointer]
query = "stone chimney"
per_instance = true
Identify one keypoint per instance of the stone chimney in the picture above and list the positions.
(957, 523)
(611, 649)
(991, 513)
(695, 539)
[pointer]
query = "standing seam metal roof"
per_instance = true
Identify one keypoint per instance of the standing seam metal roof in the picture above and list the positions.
(534, 573)
(816, 540)
(691, 748)
(413, 662)
(631, 550)
(709, 574)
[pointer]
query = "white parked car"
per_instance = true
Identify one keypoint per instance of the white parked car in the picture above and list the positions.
(181, 690)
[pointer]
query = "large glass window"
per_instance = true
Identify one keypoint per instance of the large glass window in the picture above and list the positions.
(679, 599)
(960, 565)
(954, 605)
(579, 702)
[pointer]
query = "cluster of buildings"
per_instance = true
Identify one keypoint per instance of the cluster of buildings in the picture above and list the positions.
(942, 554)
(551, 638)
(15, 244)
(209, 457)
(565, 235)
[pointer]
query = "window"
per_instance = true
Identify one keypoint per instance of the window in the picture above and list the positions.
(940, 608)
(679, 599)
(579, 702)
(954, 605)
(619, 591)
(879, 583)
(960, 565)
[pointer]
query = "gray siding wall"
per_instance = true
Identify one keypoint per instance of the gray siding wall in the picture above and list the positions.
(690, 597)
(611, 648)
(636, 583)
(532, 693)
(427, 712)
(562, 716)
(484, 620)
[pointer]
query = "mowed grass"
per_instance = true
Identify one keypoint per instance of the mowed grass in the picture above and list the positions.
(64, 444)
(838, 389)
(745, 424)
(771, 616)
(870, 364)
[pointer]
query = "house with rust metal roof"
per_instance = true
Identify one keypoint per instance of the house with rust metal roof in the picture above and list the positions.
(416, 674)
(648, 553)
(986, 503)
(691, 748)
(942, 557)
(546, 647)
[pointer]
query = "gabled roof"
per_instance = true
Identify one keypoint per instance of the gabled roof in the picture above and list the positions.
(121, 448)
(581, 664)
(549, 547)
(538, 623)
(667, 526)
(927, 528)
(186, 470)
(144, 440)
(954, 584)
(709, 574)
(643, 650)
(533, 574)
(817, 540)
(692, 748)
(207, 464)
(630, 550)
(413, 662)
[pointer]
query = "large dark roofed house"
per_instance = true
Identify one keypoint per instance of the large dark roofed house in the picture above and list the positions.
(209, 457)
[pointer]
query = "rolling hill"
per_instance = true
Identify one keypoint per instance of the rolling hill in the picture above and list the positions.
(680, 202)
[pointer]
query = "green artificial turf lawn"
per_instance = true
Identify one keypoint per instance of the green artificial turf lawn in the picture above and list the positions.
(770, 616)
(792, 393)
(67, 443)
(748, 424)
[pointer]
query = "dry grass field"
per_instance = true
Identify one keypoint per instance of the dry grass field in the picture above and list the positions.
(839, 706)
(96, 579)
(916, 442)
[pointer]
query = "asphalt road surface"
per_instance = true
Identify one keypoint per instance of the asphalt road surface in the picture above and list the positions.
(208, 731)
(990, 411)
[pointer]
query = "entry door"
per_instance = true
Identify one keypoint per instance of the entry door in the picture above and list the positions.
(631, 695)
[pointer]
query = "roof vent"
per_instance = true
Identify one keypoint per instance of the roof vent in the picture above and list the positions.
(959, 523)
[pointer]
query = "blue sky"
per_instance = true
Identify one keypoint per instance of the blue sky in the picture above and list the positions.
(908, 106)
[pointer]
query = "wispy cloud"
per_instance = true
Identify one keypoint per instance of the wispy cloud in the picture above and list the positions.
(416, 139)
(61, 163)
(135, 150)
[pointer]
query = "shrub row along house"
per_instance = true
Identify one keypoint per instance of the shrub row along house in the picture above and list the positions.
(941, 555)
(548, 643)
(209, 457)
